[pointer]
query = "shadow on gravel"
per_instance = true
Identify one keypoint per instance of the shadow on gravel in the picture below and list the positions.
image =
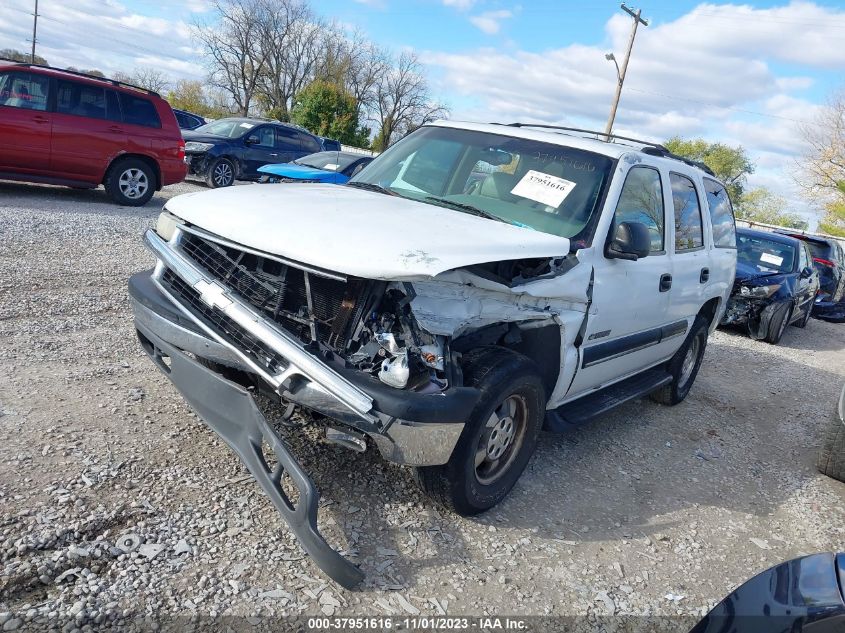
(615, 477)
(727, 447)
(67, 200)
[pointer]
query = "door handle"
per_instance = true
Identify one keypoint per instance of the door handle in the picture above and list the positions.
(116, 129)
(665, 282)
(273, 154)
(40, 119)
(704, 277)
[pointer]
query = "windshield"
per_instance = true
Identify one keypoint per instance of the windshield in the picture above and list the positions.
(767, 256)
(330, 161)
(538, 185)
(230, 128)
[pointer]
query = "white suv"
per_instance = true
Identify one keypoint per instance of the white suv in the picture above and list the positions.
(471, 286)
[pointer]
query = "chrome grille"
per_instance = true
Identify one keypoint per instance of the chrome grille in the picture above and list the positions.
(225, 327)
(281, 291)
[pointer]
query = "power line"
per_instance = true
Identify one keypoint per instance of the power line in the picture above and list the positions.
(714, 105)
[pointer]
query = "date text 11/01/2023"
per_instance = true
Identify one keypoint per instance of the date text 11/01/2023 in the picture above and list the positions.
(416, 623)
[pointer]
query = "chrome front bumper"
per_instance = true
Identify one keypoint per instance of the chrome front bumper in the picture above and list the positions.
(305, 380)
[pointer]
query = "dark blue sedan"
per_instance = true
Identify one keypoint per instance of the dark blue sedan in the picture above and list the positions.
(328, 167)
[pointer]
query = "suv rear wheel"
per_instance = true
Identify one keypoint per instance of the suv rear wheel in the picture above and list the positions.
(499, 436)
(684, 365)
(130, 182)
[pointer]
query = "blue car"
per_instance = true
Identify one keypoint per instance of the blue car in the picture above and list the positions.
(329, 167)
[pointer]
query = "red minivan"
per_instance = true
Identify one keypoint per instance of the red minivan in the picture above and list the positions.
(68, 128)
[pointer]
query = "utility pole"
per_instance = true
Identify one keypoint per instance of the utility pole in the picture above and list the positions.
(620, 73)
(34, 31)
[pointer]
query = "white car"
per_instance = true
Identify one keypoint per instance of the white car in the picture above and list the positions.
(473, 285)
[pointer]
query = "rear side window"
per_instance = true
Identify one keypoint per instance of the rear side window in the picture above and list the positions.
(641, 201)
(81, 99)
(721, 215)
(138, 111)
(24, 90)
(309, 143)
(287, 139)
(688, 231)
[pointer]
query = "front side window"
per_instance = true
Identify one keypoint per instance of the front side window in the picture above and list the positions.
(803, 258)
(263, 137)
(721, 214)
(81, 99)
(138, 111)
(24, 90)
(543, 186)
(641, 201)
(765, 255)
(688, 231)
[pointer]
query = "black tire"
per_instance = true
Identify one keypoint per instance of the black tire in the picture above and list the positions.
(684, 365)
(831, 459)
(131, 182)
(506, 379)
(221, 173)
(778, 323)
(806, 318)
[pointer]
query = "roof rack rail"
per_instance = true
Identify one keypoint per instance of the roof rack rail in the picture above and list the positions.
(77, 73)
(583, 131)
(649, 147)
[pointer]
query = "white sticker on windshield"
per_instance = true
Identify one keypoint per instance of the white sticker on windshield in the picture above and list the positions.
(332, 167)
(543, 188)
(771, 259)
(247, 125)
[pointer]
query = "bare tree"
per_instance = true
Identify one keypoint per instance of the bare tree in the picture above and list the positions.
(366, 63)
(823, 166)
(403, 100)
(150, 78)
(293, 39)
(235, 47)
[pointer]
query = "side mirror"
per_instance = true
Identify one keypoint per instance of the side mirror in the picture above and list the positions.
(631, 240)
(252, 140)
(806, 272)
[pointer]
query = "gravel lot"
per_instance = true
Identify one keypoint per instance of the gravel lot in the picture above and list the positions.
(653, 510)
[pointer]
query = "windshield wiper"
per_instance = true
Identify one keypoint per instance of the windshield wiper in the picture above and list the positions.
(466, 208)
(371, 186)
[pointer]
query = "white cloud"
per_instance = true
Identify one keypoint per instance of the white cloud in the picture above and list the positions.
(106, 36)
(461, 5)
(491, 21)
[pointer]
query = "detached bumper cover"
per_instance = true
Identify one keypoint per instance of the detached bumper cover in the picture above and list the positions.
(231, 412)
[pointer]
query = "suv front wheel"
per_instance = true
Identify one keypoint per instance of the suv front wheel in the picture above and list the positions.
(499, 437)
(130, 182)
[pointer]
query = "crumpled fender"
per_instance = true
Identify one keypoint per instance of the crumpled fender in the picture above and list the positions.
(758, 328)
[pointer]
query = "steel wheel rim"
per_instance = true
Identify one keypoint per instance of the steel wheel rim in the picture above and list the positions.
(501, 439)
(133, 183)
(689, 361)
(222, 174)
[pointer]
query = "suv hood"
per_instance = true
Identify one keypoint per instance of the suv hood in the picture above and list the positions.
(357, 232)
